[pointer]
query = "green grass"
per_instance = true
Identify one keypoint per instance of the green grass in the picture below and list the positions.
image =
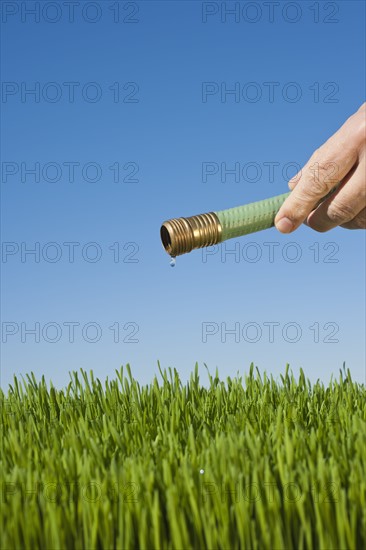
(117, 465)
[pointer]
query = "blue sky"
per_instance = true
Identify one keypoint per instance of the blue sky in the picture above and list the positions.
(130, 102)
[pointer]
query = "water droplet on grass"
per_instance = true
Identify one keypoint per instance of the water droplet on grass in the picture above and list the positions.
(172, 261)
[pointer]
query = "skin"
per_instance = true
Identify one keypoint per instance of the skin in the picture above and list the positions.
(340, 160)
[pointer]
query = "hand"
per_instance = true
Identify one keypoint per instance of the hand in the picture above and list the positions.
(340, 160)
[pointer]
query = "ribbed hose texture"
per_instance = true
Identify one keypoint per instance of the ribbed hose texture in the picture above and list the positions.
(249, 218)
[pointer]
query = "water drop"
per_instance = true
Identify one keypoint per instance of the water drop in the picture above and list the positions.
(172, 261)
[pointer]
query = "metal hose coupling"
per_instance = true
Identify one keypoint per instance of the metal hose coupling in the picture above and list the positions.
(182, 235)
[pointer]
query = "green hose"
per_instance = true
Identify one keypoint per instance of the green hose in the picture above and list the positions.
(249, 218)
(181, 235)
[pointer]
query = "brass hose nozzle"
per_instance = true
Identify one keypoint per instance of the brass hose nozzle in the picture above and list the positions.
(181, 235)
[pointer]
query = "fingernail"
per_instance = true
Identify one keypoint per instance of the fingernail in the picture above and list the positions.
(284, 225)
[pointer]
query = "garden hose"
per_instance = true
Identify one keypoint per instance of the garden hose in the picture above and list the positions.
(182, 235)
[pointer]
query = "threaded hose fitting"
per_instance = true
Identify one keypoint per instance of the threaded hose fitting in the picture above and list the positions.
(181, 235)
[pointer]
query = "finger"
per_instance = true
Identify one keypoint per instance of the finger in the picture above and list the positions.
(294, 180)
(359, 222)
(327, 166)
(315, 183)
(343, 205)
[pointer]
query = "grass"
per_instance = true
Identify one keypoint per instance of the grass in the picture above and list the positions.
(253, 463)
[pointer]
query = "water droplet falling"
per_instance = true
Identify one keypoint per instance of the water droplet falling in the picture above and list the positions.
(172, 261)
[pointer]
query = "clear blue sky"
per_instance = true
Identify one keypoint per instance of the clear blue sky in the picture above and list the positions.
(131, 122)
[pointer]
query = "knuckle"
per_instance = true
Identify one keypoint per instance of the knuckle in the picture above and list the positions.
(318, 227)
(359, 222)
(320, 176)
(319, 186)
(340, 212)
(300, 207)
(321, 172)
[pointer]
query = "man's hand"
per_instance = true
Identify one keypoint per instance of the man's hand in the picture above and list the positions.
(341, 160)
